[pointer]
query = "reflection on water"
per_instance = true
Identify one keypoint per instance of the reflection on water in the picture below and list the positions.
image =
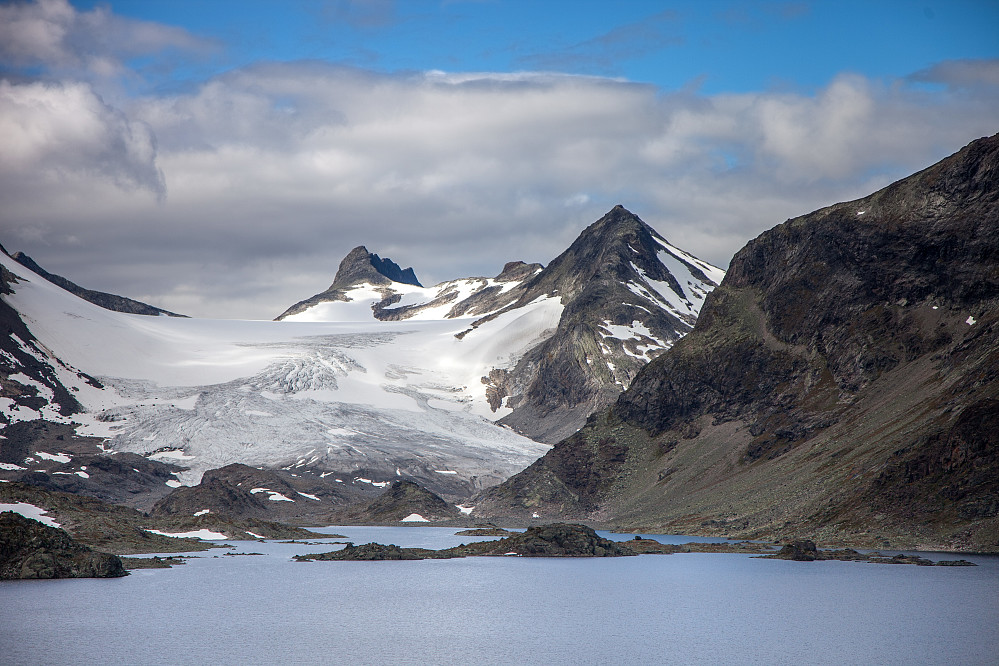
(688, 608)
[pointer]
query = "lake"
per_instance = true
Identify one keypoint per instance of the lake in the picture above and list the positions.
(682, 609)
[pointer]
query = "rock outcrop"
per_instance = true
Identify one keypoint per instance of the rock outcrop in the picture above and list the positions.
(31, 550)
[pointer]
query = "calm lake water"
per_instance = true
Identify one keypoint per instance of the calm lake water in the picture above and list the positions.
(682, 609)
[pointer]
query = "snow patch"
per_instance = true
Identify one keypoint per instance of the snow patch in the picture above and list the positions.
(169, 455)
(55, 457)
(376, 484)
(30, 511)
(970, 321)
(201, 513)
(414, 518)
(206, 534)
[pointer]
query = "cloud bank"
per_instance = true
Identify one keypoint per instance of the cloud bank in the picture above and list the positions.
(239, 196)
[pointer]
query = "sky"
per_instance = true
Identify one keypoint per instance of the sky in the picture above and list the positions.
(220, 158)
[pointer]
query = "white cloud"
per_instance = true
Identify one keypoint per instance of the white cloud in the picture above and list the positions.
(53, 33)
(965, 73)
(56, 134)
(273, 172)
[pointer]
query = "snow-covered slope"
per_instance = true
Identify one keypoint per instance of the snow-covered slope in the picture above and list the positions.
(372, 400)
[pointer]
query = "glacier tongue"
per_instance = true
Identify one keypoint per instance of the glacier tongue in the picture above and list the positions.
(317, 409)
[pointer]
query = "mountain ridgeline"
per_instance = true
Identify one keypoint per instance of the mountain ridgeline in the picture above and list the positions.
(841, 382)
(536, 348)
(103, 299)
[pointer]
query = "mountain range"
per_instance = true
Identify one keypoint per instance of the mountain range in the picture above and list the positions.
(455, 386)
(842, 382)
(838, 383)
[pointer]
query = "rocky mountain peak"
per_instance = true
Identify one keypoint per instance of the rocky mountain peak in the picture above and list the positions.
(627, 294)
(616, 247)
(360, 266)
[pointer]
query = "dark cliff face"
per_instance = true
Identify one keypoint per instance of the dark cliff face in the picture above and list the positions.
(849, 357)
(831, 300)
(99, 298)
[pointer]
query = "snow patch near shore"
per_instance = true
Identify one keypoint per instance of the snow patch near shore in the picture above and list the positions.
(30, 511)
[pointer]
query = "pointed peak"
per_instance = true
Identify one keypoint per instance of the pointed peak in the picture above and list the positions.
(617, 221)
(362, 266)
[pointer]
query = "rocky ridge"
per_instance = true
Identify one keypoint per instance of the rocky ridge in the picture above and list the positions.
(103, 299)
(122, 530)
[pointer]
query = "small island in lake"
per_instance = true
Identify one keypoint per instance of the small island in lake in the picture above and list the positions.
(570, 540)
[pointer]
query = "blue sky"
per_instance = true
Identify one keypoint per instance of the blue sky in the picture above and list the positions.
(717, 46)
(221, 157)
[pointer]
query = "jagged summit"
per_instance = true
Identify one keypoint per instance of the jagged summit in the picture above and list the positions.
(517, 270)
(363, 271)
(361, 266)
(103, 299)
